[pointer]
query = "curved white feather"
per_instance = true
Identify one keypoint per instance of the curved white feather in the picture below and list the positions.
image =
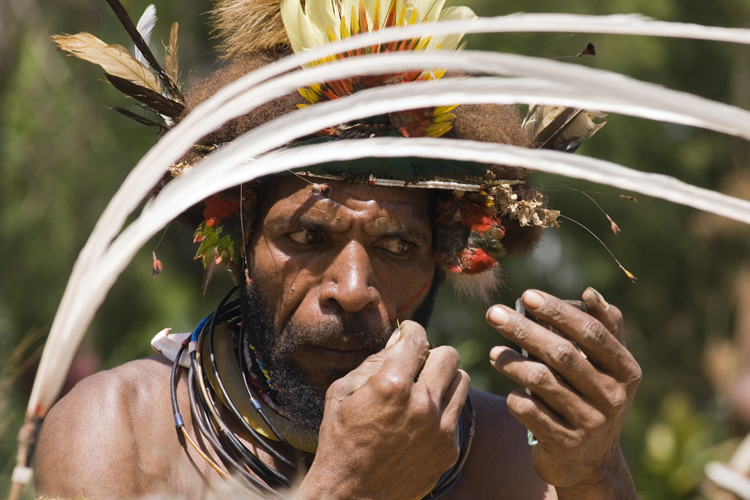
(70, 323)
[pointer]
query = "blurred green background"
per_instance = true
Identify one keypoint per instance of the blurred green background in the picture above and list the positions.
(63, 155)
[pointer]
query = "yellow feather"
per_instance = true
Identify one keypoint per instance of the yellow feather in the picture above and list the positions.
(438, 129)
(343, 28)
(114, 59)
(445, 117)
(451, 42)
(430, 10)
(412, 17)
(438, 74)
(444, 109)
(321, 15)
(401, 14)
(423, 43)
(298, 27)
(354, 22)
(310, 95)
(331, 35)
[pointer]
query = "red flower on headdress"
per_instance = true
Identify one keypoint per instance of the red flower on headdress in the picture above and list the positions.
(218, 208)
(473, 261)
(479, 219)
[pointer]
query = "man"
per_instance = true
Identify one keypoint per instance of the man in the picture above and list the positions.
(330, 277)
(389, 426)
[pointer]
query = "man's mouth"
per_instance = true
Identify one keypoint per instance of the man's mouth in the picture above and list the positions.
(335, 358)
(339, 355)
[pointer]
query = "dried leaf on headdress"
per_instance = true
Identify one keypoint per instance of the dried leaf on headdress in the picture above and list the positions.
(615, 228)
(156, 267)
(248, 26)
(114, 59)
(173, 68)
(145, 27)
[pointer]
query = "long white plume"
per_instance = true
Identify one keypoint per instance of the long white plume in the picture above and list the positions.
(102, 259)
(145, 27)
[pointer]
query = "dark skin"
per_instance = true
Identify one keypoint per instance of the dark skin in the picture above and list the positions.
(389, 429)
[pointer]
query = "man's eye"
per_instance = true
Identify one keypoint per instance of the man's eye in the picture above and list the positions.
(306, 237)
(397, 246)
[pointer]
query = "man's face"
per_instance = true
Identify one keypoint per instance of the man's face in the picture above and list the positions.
(337, 272)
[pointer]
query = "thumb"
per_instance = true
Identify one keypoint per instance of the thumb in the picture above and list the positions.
(395, 337)
(369, 367)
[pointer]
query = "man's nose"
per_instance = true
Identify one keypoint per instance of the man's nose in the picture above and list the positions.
(349, 280)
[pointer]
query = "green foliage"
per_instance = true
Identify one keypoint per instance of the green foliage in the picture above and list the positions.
(213, 246)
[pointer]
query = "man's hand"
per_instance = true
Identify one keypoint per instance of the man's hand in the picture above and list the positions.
(580, 399)
(390, 426)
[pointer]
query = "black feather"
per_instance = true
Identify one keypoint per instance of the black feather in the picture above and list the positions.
(155, 101)
(141, 44)
(138, 118)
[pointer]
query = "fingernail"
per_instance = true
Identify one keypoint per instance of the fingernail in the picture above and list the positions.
(498, 315)
(495, 353)
(533, 299)
(600, 298)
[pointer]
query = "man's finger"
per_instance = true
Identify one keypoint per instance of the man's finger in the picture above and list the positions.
(609, 316)
(594, 339)
(409, 354)
(439, 370)
(395, 337)
(541, 381)
(455, 398)
(546, 425)
(555, 351)
(360, 375)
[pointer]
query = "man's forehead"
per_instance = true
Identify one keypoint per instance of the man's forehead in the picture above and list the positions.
(292, 193)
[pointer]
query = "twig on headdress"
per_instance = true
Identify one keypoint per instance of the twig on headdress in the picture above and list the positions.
(627, 273)
(615, 228)
(630, 198)
(602, 193)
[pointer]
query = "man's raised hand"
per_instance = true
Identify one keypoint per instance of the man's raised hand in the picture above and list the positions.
(579, 400)
(390, 427)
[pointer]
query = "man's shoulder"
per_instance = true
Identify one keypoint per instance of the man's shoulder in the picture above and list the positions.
(101, 427)
(111, 397)
(499, 463)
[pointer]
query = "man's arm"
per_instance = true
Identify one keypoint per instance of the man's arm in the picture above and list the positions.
(580, 399)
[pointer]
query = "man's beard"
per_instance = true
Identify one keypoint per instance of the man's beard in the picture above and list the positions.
(303, 401)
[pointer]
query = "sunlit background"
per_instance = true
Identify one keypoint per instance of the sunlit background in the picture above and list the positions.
(63, 155)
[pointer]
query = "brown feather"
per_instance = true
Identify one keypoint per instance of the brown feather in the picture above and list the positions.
(247, 26)
(141, 44)
(114, 59)
(170, 60)
(152, 99)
